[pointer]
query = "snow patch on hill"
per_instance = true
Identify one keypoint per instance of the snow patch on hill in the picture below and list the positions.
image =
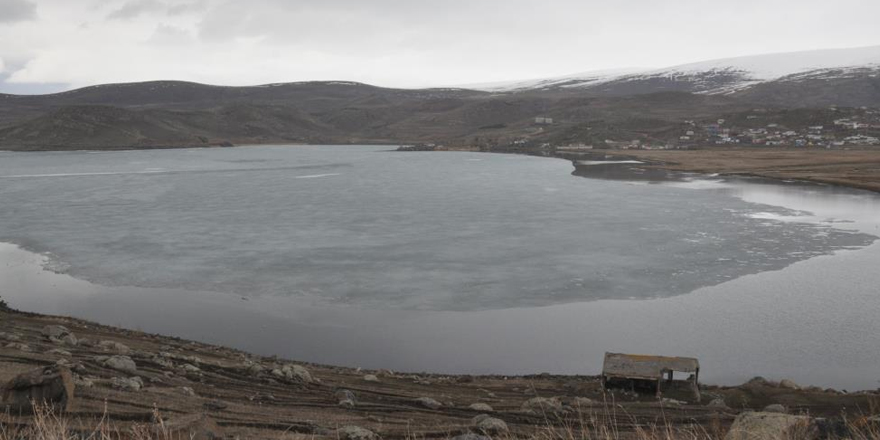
(574, 80)
(720, 76)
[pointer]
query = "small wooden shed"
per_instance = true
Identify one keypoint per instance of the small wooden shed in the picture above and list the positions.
(619, 366)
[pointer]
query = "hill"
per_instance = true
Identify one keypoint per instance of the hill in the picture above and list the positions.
(165, 387)
(648, 106)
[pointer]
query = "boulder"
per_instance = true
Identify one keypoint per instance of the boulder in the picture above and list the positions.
(477, 419)
(347, 398)
(82, 382)
(51, 385)
(59, 352)
(19, 346)
(771, 426)
(582, 402)
(215, 405)
(253, 367)
(717, 404)
(541, 405)
(127, 384)
(121, 363)
(162, 362)
(355, 433)
(672, 402)
(428, 402)
(482, 407)
(490, 425)
(756, 382)
(775, 408)
(190, 427)
(54, 331)
(371, 378)
(344, 394)
(187, 391)
(785, 383)
(347, 403)
(297, 373)
(113, 346)
(11, 337)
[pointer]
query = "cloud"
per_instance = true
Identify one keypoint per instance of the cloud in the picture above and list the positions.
(134, 8)
(404, 43)
(187, 8)
(12, 11)
(170, 35)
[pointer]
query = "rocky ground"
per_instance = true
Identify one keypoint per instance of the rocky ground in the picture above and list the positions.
(129, 376)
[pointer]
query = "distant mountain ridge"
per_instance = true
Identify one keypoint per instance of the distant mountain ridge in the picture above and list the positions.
(729, 76)
(585, 108)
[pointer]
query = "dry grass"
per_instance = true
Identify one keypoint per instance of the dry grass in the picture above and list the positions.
(604, 424)
(609, 423)
(46, 424)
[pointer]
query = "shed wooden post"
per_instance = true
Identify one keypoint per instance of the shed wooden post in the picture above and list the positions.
(696, 385)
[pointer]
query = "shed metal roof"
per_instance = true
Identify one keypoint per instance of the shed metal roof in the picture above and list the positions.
(638, 366)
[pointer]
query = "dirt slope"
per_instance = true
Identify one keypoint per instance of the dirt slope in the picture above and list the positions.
(240, 393)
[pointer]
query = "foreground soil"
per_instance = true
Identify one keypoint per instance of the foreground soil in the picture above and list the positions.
(243, 398)
(853, 168)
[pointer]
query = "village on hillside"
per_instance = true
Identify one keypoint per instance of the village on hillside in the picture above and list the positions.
(854, 128)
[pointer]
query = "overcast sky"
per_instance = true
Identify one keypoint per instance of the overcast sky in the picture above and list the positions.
(51, 45)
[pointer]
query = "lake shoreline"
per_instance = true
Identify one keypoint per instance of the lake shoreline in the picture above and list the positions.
(395, 405)
(858, 169)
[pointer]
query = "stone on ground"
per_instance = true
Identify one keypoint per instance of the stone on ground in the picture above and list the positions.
(785, 383)
(114, 346)
(428, 402)
(775, 408)
(59, 352)
(19, 346)
(121, 363)
(540, 405)
(191, 427)
(347, 398)
(54, 331)
(771, 426)
(489, 425)
(717, 404)
(355, 433)
(297, 373)
(127, 384)
(470, 436)
(481, 407)
(215, 405)
(51, 385)
(582, 401)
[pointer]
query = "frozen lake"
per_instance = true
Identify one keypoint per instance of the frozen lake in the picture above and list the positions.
(448, 262)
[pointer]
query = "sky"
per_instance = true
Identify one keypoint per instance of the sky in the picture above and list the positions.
(54, 45)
